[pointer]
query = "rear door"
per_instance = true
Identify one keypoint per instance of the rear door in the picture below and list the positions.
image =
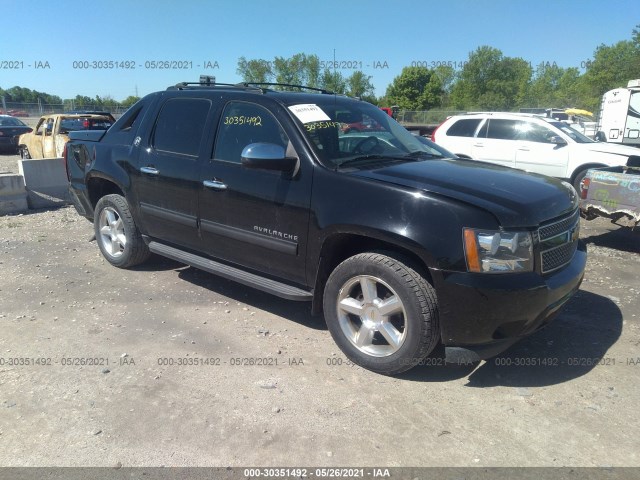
(167, 182)
(250, 217)
(459, 137)
(495, 142)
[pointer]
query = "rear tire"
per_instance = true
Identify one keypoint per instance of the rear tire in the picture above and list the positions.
(381, 313)
(24, 153)
(117, 234)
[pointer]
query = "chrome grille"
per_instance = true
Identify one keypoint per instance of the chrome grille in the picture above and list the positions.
(559, 242)
(553, 229)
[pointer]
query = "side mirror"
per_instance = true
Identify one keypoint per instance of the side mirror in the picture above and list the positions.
(600, 137)
(558, 140)
(267, 156)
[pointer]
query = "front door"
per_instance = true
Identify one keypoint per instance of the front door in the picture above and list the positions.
(536, 153)
(255, 218)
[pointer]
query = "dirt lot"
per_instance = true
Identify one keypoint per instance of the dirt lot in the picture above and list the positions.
(154, 366)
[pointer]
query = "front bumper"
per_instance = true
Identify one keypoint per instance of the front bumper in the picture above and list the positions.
(482, 315)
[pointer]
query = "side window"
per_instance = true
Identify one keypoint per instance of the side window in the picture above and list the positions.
(40, 127)
(245, 123)
(465, 127)
(180, 125)
(49, 127)
(132, 116)
(502, 129)
(531, 132)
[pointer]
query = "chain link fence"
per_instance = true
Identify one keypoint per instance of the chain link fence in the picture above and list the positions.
(425, 117)
(19, 109)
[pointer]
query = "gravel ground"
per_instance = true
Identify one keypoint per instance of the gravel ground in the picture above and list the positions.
(9, 163)
(154, 367)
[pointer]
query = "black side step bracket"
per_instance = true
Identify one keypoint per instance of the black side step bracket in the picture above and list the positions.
(251, 279)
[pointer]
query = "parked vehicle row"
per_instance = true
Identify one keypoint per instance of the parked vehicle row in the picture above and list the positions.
(14, 113)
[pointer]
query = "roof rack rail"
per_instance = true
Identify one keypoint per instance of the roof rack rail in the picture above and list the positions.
(209, 84)
(301, 87)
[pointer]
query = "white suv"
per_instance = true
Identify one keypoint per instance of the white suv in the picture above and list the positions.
(529, 142)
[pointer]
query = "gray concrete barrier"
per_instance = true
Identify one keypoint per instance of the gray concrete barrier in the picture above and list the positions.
(13, 196)
(45, 181)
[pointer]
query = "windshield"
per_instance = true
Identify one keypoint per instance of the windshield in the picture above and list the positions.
(84, 123)
(345, 131)
(571, 132)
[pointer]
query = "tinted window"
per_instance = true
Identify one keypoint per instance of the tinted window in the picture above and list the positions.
(11, 122)
(464, 127)
(245, 123)
(502, 129)
(180, 125)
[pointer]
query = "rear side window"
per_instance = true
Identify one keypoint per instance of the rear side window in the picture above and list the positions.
(465, 127)
(180, 125)
(502, 129)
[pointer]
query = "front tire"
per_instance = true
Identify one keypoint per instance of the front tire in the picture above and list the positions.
(117, 234)
(381, 313)
(24, 153)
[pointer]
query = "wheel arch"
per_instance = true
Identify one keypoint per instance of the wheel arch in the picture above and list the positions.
(583, 168)
(98, 187)
(340, 246)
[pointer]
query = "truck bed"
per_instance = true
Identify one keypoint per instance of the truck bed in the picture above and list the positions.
(612, 192)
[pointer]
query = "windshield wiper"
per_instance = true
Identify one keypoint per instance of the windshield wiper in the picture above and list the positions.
(420, 153)
(376, 156)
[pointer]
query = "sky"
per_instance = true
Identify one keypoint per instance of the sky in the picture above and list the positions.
(44, 44)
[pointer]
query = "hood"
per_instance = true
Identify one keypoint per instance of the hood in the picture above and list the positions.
(604, 147)
(516, 198)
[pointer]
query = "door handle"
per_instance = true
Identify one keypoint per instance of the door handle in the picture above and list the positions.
(150, 170)
(478, 144)
(214, 184)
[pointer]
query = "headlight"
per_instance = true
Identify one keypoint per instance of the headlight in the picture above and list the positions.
(489, 251)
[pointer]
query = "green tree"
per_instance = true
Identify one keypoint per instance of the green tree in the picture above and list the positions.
(333, 81)
(416, 88)
(256, 70)
(299, 69)
(447, 76)
(359, 85)
(82, 101)
(612, 67)
(130, 100)
(491, 81)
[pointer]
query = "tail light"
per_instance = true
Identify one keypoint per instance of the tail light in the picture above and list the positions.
(584, 187)
(433, 134)
(86, 124)
(66, 163)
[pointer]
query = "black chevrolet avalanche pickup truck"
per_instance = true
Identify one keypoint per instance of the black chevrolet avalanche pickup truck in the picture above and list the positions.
(402, 247)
